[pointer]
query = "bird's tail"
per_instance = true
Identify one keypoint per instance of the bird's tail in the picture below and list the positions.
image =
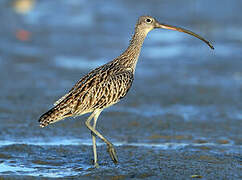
(52, 116)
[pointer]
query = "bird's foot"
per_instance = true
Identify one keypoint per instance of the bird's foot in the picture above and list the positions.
(96, 165)
(112, 153)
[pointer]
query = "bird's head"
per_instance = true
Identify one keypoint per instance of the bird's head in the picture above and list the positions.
(147, 23)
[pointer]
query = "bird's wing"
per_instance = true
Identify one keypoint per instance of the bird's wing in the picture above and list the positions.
(63, 97)
(102, 91)
(104, 88)
(113, 89)
(99, 91)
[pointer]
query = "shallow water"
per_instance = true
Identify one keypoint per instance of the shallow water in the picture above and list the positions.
(182, 117)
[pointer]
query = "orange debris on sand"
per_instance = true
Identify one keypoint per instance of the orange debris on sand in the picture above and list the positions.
(23, 35)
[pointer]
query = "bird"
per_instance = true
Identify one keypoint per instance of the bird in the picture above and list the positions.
(106, 85)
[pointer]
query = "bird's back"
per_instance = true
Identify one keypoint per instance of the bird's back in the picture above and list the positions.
(99, 89)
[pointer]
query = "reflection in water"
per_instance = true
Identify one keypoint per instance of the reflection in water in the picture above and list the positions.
(46, 172)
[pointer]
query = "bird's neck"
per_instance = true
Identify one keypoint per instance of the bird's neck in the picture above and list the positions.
(130, 56)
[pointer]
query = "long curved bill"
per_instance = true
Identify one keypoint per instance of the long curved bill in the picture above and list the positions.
(165, 26)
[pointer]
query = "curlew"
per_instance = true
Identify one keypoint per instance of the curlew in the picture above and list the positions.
(106, 85)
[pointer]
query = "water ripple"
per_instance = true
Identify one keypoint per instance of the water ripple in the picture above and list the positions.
(6, 168)
(77, 62)
(86, 142)
(163, 52)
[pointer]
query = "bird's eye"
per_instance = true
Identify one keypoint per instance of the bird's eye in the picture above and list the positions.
(148, 20)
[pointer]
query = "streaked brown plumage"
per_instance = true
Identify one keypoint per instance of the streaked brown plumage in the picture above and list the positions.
(105, 85)
(100, 88)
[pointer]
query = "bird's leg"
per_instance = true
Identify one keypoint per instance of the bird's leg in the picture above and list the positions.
(94, 139)
(111, 149)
